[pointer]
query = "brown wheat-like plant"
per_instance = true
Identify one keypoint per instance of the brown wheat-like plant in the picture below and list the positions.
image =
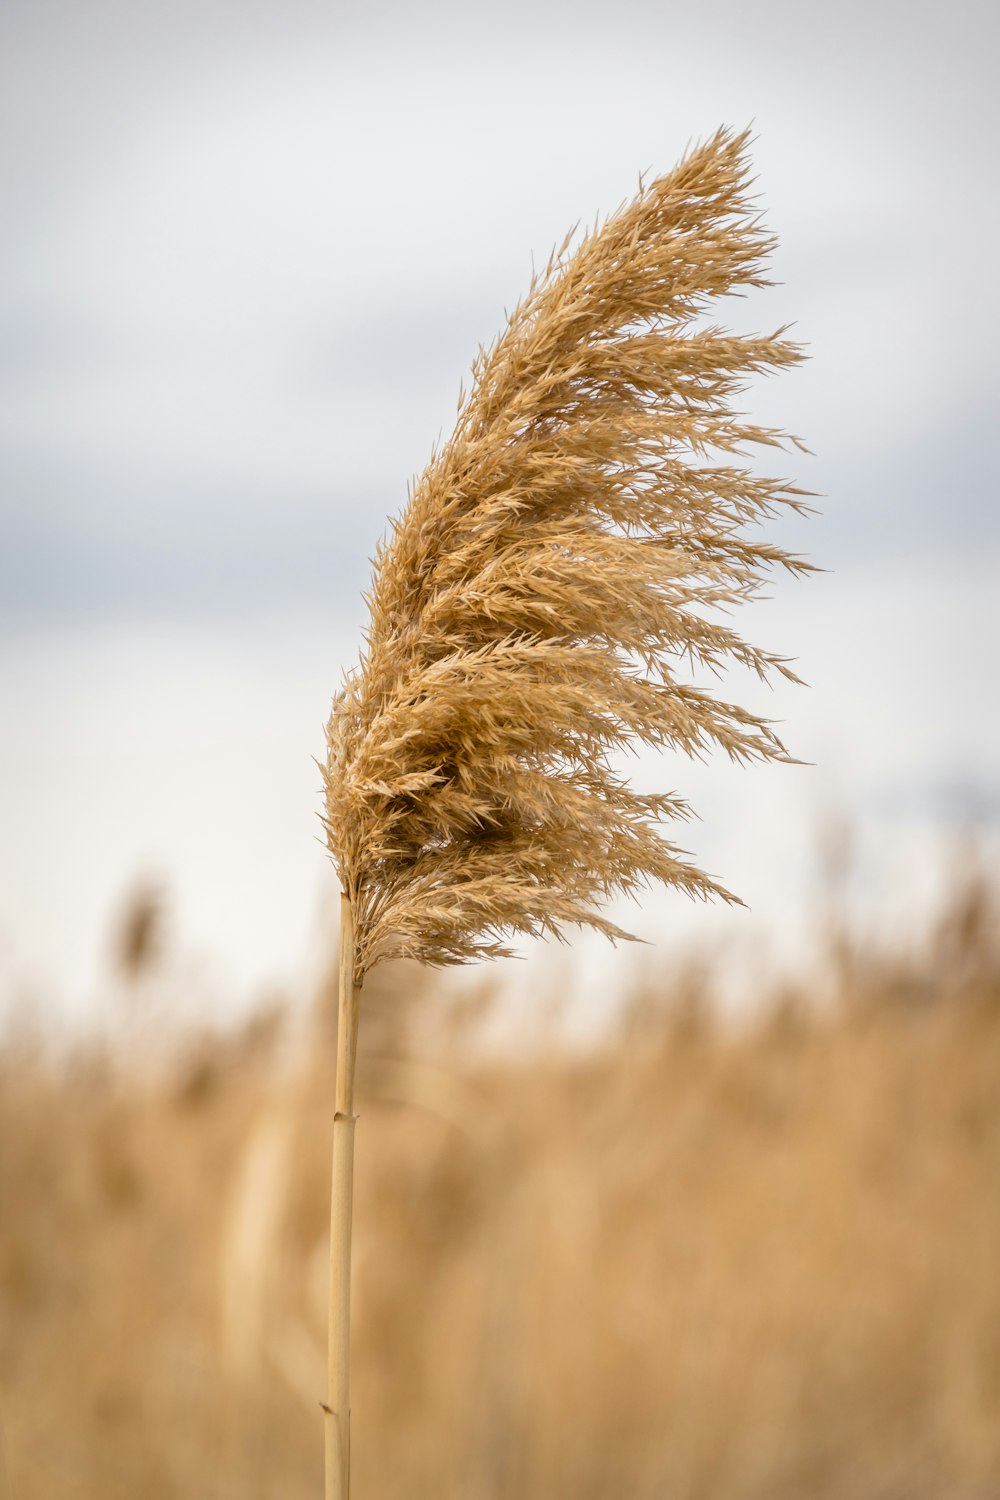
(565, 559)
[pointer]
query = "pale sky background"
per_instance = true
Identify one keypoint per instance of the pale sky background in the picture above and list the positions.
(248, 253)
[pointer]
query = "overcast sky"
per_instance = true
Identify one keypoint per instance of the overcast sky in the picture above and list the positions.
(248, 253)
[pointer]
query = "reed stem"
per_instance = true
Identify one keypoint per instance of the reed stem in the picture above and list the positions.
(338, 1400)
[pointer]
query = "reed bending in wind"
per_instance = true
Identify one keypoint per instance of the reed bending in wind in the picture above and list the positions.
(563, 560)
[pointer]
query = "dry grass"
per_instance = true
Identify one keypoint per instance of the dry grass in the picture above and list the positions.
(563, 562)
(695, 1264)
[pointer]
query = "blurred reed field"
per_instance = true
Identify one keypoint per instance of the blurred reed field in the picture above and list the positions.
(703, 1259)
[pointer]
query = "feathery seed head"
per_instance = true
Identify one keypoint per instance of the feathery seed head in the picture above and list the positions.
(572, 543)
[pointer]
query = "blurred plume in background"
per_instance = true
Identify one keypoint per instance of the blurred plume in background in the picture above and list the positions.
(694, 1258)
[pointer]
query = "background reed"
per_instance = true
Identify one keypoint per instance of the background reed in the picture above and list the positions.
(793, 1222)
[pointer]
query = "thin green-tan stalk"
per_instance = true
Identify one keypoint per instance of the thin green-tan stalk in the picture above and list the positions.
(337, 1409)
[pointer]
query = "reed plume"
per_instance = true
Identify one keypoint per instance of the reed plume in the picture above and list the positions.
(568, 555)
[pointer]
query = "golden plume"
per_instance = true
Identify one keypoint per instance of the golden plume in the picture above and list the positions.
(577, 541)
(574, 544)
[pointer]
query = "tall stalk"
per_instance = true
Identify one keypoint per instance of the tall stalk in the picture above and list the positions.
(338, 1400)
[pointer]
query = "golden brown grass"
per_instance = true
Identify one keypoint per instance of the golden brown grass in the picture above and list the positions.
(570, 552)
(752, 1265)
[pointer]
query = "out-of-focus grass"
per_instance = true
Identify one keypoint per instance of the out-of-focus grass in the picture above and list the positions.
(702, 1262)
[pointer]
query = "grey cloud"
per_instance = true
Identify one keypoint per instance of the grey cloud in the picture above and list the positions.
(962, 799)
(181, 530)
(106, 541)
(401, 348)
